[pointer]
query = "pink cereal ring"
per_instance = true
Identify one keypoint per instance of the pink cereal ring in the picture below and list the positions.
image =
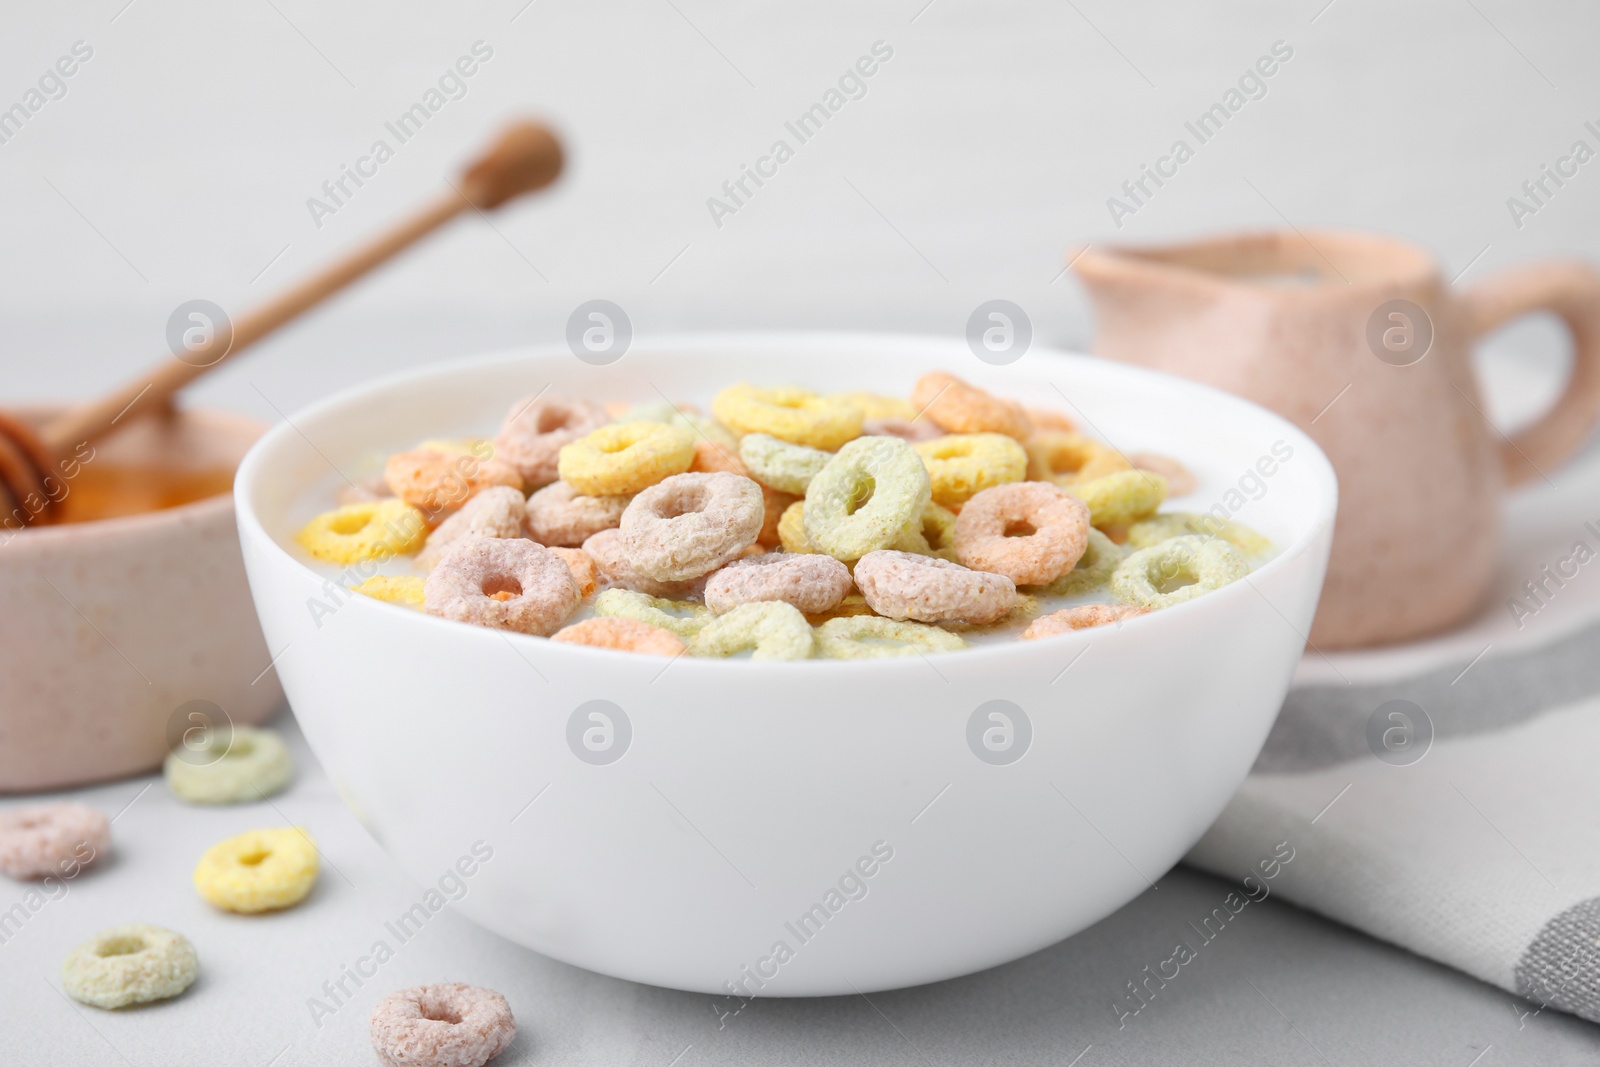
(559, 515)
(509, 584)
(535, 429)
(906, 430)
(813, 583)
(616, 569)
(904, 585)
(1031, 532)
(495, 512)
(623, 634)
(51, 839)
(442, 1025)
(1080, 618)
(688, 525)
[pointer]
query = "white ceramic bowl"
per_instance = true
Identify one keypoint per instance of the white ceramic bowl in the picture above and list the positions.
(835, 809)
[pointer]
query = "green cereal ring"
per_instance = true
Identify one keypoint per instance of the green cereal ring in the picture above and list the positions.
(771, 629)
(683, 617)
(130, 964)
(1123, 497)
(1093, 569)
(783, 466)
(650, 411)
(873, 637)
(1158, 528)
(228, 766)
(1148, 577)
(870, 491)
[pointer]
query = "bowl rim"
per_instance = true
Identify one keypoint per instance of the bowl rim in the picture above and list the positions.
(1321, 473)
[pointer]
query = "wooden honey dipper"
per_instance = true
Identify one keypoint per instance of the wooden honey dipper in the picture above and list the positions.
(526, 157)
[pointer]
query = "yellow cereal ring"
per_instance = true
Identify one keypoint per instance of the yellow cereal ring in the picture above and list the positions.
(625, 457)
(795, 415)
(872, 637)
(792, 529)
(1120, 498)
(877, 406)
(934, 534)
(963, 464)
(851, 606)
(1152, 577)
(377, 529)
(1158, 528)
(682, 617)
(260, 870)
(403, 589)
(1066, 458)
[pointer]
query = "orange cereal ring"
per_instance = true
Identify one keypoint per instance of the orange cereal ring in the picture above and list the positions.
(960, 465)
(1031, 532)
(1065, 458)
(508, 584)
(1049, 419)
(1080, 618)
(1180, 479)
(535, 429)
(791, 414)
(712, 456)
(624, 457)
(436, 480)
(623, 634)
(957, 407)
(584, 572)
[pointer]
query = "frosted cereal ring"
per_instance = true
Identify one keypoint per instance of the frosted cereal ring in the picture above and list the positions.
(625, 457)
(774, 504)
(403, 589)
(616, 569)
(812, 583)
(498, 511)
(51, 839)
(901, 585)
(584, 572)
(682, 617)
(622, 634)
(535, 430)
(871, 637)
(1147, 577)
(443, 1025)
(792, 529)
(436, 477)
(380, 529)
(956, 407)
(1121, 498)
(1080, 618)
(933, 534)
(1066, 458)
(503, 583)
(962, 465)
(796, 415)
(780, 465)
(1031, 532)
(135, 963)
(1093, 569)
(258, 870)
(906, 430)
(877, 406)
(691, 524)
(710, 457)
(1158, 528)
(559, 515)
(229, 766)
(870, 491)
(767, 630)
(1180, 479)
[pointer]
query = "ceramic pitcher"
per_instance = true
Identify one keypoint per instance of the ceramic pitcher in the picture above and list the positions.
(1361, 342)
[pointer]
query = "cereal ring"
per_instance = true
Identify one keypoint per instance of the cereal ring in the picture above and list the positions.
(623, 634)
(956, 407)
(584, 572)
(1121, 498)
(1180, 479)
(812, 583)
(135, 963)
(443, 1025)
(1148, 576)
(777, 463)
(906, 430)
(877, 406)
(51, 839)
(1080, 618)
(498, 511)
(792, 529)
(901, 585)
(871, 637)
(691, 524)
(509, 584)
(768, 629)
(616, 569)
(625, 457)
(796, 415)
(711, 458)
(258, 870)
(403, 589)
(851, 606)
(559, 515)
(1093, 569)
(230, 765)
(1066, 458)
(1048, 419)
(774, 504)
(377, 530)
(1158, 528)
(933, 535)
(962, 465)
(437, 480)
(864, 497)
(1031, 532)
(535, 430)
(682, 617)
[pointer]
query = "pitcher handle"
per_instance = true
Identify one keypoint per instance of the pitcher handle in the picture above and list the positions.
(1572, 291)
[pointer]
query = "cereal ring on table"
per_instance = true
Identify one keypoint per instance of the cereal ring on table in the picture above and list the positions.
(436, 480)
(1066, 458)
(1093, 569)
(1031, 532)
(870, 491)
(956, 407)
(682, 617)
(535, 430)
(906, 430)
(1049, 420)
(902, 585)
(1158, 528)
(403, 589)
(228, 765)
(584, 572)
(775, 504)
(878, 406)
(1080, 618)
(872, 637)
(622, 634)
(616, 569)
(625, 457)
(796, 415)
(135, 963)
(780, 465)
(1147, 577)
(691, 524)
(498, 511)
(961, 465)
(51, 839)
(768, 629)
(813, 583)
(1180, 479)
(507, 584)
(442, 1025)
(258, 870)
(559, 515)
(1121, 498)
(377, 530)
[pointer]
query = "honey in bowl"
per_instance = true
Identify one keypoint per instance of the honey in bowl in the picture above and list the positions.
(110, 490)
